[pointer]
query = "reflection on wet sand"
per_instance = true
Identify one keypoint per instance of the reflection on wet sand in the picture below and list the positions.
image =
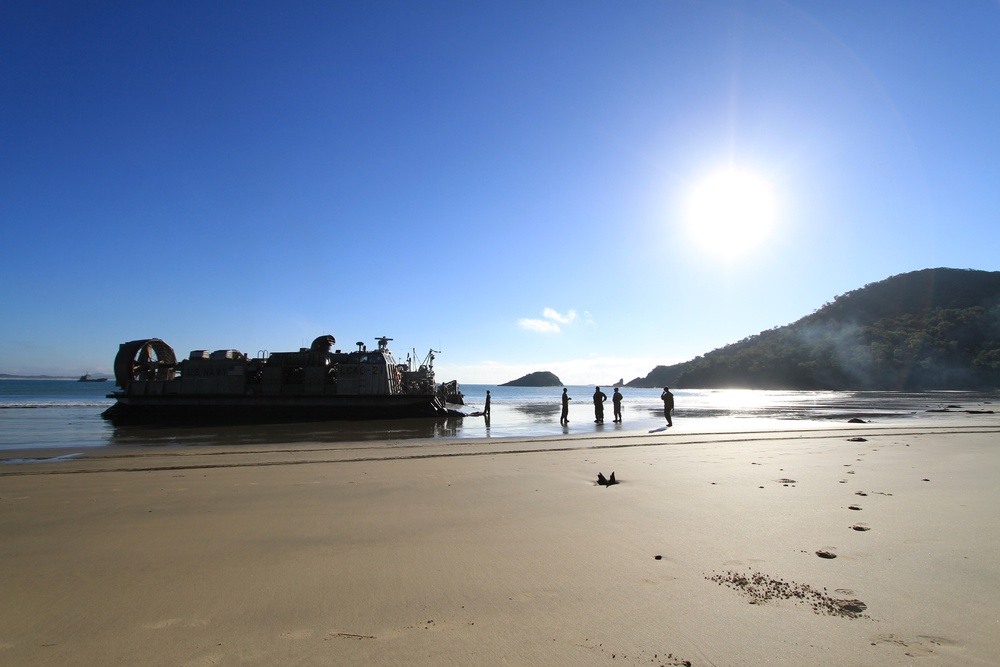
(326, 432)
(538, 411)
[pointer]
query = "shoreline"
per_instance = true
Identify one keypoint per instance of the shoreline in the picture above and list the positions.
(507, 551)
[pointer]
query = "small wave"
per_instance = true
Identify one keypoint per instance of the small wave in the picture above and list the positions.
(22, 405)
(53, 459)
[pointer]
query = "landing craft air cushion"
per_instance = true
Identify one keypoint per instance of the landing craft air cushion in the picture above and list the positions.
(314, 384)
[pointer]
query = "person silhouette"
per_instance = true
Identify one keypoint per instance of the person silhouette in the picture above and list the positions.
(668, 404)
(486, 410)
(616, 399)
(564, 417)
(599, 398)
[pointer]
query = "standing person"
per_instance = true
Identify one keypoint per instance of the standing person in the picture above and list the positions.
(668, 404)
(599, 398)
(486, 410)
(617, 400)
(564, 417)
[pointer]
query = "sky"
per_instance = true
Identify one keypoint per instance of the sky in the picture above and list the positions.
(591, 188)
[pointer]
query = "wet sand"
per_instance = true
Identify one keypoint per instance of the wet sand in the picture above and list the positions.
(866, 545)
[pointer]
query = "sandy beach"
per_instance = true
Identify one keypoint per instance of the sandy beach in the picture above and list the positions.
(860, 545)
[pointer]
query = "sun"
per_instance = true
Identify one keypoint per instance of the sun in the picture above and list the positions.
(731, 212)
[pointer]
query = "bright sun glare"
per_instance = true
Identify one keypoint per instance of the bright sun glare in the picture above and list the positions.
(731, 212)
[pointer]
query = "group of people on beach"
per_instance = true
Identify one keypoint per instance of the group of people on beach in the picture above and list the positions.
(616, 400)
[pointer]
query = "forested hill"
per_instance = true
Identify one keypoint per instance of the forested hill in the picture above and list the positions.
(930, 329)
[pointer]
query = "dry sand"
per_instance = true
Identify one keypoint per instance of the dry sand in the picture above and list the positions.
(508, 552)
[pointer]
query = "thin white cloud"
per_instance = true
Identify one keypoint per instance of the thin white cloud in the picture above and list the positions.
(552, 319)
(540, 326)
(553, 314)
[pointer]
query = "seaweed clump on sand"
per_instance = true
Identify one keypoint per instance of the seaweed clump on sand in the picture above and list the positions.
(761, 588)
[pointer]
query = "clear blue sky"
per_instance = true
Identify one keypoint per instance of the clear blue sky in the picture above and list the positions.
(507, 182)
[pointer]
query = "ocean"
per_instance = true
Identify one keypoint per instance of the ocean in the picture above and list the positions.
(65, 414)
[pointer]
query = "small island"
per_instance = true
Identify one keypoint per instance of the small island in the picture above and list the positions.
(537, 379)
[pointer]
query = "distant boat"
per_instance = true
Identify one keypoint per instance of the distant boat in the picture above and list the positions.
(89, 378)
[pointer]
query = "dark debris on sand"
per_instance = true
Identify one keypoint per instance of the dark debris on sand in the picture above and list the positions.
(606, 481)
(761, 588)
(667, 660)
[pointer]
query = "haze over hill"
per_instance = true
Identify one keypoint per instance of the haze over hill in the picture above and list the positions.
(929, 329)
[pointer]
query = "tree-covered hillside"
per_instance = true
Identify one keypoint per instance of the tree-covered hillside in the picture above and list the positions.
(930, 329)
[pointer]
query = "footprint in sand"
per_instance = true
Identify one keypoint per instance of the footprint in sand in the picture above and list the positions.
(854, 507)
(335, 634)
(860, 527)
(920, 646)
(828, 552)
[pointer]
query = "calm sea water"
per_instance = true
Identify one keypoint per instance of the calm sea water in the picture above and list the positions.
(39, 414)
